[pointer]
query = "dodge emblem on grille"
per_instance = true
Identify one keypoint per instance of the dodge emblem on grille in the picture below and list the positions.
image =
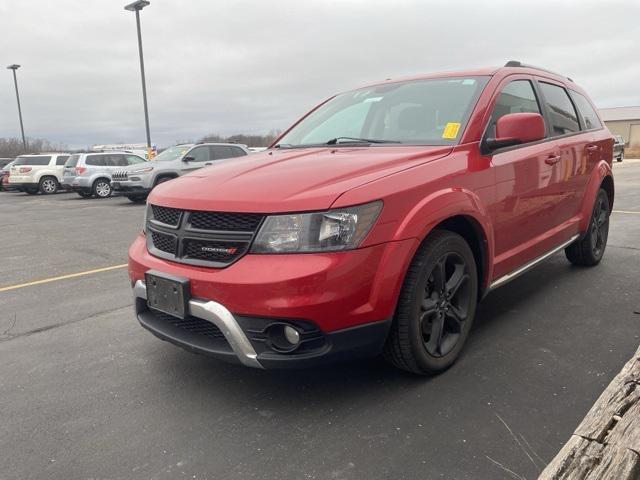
(228, 251)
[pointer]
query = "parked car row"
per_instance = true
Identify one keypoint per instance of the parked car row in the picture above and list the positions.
(100, 174)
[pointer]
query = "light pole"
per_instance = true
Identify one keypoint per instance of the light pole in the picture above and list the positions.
(15, 67)
(136, 7)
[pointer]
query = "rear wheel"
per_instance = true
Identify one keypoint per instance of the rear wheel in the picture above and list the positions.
(436, 307)
(589, 250)
(48, 185)
(101, 188)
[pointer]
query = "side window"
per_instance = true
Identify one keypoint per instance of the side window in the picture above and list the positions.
(61, 160)
(199, 154)
(219, 152)
(238, 152)
(517, 97)
(133, 160)
(564, 118)
(115, 160)
(587, 113)
(95, 160)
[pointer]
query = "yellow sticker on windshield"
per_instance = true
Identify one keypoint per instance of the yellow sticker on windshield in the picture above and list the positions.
(451, 130)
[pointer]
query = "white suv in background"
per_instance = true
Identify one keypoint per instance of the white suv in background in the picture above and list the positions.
(37, 173)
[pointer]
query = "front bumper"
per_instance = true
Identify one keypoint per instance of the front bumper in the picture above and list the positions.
(342, 302)
(212, 330)
(129, 187)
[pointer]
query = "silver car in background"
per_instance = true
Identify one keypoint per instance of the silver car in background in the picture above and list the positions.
(135, 182)
(89, 174)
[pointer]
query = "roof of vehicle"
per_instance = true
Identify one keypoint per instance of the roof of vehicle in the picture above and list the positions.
(230, 144)
(511, 67)
(43, 153)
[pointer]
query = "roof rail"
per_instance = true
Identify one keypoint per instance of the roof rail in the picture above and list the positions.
(516, 63)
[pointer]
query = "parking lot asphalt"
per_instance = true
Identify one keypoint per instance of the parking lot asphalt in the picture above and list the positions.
(85, 392)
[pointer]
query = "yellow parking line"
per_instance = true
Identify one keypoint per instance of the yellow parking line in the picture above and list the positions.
(61, 277)
(630, 212)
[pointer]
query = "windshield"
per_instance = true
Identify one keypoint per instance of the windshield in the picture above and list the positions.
(8, 166)
(427, 112)
(172, 153)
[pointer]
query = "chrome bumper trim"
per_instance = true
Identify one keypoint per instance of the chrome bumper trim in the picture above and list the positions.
(222, 318)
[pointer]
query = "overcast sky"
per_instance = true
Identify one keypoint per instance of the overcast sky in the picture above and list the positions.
(250, 66)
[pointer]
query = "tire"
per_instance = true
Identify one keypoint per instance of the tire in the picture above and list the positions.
(48, 185)
(430, 328)
(84, 194)
(138, 199)
(101, 188)
(588, 251)
(621, 156)
(162, 180)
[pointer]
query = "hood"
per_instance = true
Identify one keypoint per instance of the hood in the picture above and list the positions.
(289, 180)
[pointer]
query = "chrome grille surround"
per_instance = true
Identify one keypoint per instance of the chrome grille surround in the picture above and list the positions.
(178, 235)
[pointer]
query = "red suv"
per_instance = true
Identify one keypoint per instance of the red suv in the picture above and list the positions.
(377, 222)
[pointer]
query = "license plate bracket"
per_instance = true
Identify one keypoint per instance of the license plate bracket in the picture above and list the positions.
(167, 293)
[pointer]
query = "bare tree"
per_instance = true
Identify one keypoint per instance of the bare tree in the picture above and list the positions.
(12, 147)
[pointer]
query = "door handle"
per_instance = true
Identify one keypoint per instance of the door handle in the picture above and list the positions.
(552, 160)
(592, 148)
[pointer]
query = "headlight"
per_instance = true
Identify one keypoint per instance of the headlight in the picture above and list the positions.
(339, 229)
(142, 170)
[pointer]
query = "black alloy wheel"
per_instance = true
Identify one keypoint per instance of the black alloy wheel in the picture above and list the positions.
(445, 305)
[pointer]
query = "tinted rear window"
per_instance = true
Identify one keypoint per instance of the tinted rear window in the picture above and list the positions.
(589, 116)
(72, 161)
(564, 118)
(95, 160)
(39, 160)
(61, 159)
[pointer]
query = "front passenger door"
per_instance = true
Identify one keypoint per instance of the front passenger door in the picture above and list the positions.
(520, 212)
(199, 155)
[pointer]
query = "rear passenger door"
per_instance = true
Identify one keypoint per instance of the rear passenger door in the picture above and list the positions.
(569, 174)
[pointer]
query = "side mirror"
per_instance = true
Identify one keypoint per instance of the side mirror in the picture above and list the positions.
(516, 128)
(188, 159)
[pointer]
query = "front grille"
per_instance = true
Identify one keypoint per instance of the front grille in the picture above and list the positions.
(168, 216)
(212, 251)
(200, 238)
(164, 242)
(120, 175)
(191, 324)
(233, 222)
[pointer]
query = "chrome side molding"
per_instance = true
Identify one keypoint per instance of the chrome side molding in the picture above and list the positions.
(528, 266)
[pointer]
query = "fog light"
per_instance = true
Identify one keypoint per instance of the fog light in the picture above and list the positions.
(292, 335)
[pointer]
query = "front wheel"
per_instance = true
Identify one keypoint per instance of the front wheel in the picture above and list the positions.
(101, 188)
(137, 199)
(589, 250)
(436, 307)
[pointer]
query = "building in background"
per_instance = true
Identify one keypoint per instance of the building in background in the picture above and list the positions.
(624, 121)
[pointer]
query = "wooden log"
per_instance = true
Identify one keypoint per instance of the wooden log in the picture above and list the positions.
(606, 444)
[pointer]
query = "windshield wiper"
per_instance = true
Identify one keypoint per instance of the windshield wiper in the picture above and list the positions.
(335, 141)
